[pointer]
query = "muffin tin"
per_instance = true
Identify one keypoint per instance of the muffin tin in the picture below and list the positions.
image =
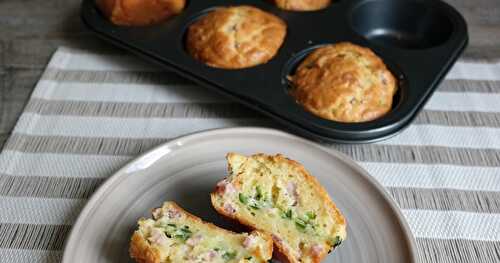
(419, 40)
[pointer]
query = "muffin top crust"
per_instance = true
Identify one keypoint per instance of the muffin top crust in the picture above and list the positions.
(235, 37)
(344, 82)
(302, 5)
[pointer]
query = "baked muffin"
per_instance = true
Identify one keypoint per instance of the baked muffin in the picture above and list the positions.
(235, 37)
(174, 235)
(139, 12)
(302, 5)
(278, 196)
(345, 83)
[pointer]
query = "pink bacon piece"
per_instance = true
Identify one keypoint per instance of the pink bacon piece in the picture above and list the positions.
(157, 237)
(173, 213)
(195, 240)
(229, 208)
(224, 187)
(248, 242)
(316, 250)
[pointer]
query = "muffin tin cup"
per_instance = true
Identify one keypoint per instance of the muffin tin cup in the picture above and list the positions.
(419, 40)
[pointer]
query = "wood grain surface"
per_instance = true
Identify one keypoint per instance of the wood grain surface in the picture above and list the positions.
(31, 30)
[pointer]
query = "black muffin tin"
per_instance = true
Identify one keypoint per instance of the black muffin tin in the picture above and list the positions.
(419, 40)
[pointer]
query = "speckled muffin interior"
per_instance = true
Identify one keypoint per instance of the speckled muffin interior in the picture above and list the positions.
(302, 5)
(276, 195)
(235, 37)
(174, 235)
(139, 12)
(344, 82)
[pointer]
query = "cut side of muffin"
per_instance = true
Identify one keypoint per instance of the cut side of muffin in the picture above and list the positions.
(278, 196)
(174, 235)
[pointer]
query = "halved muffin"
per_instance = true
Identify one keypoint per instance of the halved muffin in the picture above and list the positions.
(278, 196)
(139, 12)
(174, 235)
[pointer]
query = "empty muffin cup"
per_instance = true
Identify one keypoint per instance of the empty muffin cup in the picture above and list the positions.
(403, 24)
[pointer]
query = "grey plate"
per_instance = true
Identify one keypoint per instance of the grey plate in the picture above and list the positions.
(186, 169)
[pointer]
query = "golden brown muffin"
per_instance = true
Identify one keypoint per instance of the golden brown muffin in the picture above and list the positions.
(344, 82)
(139, 12)
(236, 37)
(274, 194)
(302, 5)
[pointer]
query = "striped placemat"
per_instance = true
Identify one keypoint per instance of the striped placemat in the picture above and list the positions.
(91, 113)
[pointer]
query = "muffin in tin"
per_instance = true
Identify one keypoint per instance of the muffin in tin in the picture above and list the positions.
(301, 5)
(235, 37)
(344, 82)
(139, 12)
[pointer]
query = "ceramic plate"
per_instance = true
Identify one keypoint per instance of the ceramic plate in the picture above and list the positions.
(186, 169)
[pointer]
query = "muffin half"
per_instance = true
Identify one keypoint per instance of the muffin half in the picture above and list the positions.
(174, 235)
(278, 196)
(345, 83)
(235, 37)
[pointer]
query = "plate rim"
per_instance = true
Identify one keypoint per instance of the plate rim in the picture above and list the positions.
(101, 190)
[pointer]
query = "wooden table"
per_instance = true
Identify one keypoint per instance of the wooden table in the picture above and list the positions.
(31, 30)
